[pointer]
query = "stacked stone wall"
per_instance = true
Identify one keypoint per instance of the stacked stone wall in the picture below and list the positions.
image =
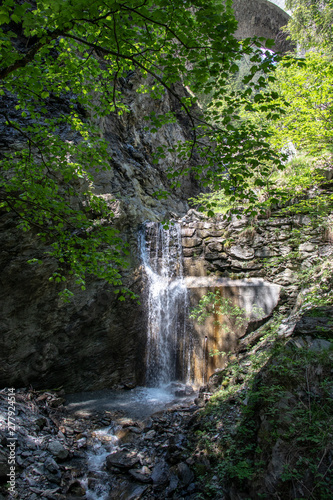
(275, 249)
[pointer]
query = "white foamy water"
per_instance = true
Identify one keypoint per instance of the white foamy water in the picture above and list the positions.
(96, 482)
(138, 403)
(168, 341)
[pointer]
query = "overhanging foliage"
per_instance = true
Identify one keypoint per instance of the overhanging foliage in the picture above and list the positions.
(74, 53)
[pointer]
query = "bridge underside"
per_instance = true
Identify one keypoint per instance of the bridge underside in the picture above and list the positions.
(262, 19)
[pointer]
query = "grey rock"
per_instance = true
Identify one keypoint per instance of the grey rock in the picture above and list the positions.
(76, 489)
(307, 247)
(221, 264)
(283, 236)
(82, 443)
(303, 220)
(173, 484)
(215, 246)
(320, 345)
(136, 430)
(127, 491)
(258, 241)
(279, 221)
(245, 265)
(276, 465)
(41, 422)
(148, 424)
(238, 221)
(212, 256)
(265, 252)
(285, 278)
(150, 435)
(184, 474)
(240, 252)
(188, 231)
(191, 242)
(58, 450)
(191, 252)
(316, 322)
(143, 475)
(284, 250)
(122, 459)
(51, 465)
(160, 474)
(206, 233)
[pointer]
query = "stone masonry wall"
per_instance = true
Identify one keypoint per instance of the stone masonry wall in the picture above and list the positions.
(274, 249)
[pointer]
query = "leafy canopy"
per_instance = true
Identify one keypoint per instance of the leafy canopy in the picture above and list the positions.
(60, 63)
(306, 88)
(298, 122)
(311, 23)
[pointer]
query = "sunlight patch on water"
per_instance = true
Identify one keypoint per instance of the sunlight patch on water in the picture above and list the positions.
(138, 403)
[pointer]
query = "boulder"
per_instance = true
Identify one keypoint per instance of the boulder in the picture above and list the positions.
(184, 473)
(122, 459)
(125, 490)
(160, 474)
(317, 321)
(58, 450)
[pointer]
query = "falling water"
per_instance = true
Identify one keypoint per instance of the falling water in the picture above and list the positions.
(168, 343)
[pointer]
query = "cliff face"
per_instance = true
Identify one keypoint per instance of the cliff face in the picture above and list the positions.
(133, 177)
(95, 341)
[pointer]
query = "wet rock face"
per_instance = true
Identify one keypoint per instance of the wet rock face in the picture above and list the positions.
(91, 342)
(318, 320)
(303, 404)
(94, 341)
(133, 177)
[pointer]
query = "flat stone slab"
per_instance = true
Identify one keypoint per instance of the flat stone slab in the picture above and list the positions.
(122, 459)
(245, 292)
(205, 281)
(220, 333)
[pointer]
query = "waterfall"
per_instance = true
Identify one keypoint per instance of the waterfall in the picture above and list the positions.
(168, 342)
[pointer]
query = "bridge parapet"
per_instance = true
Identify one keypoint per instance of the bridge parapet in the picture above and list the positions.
(263, 19)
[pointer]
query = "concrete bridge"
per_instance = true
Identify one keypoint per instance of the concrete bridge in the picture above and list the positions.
(263, 19)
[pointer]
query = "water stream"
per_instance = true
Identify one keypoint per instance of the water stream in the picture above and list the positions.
(98, 485)
(168, 353)
(169, 344)
(137, 404)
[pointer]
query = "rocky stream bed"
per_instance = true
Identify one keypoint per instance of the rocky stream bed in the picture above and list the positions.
(260, 428)
(97, 455)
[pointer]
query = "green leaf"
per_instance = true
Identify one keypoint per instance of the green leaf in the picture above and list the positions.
(269, 43)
